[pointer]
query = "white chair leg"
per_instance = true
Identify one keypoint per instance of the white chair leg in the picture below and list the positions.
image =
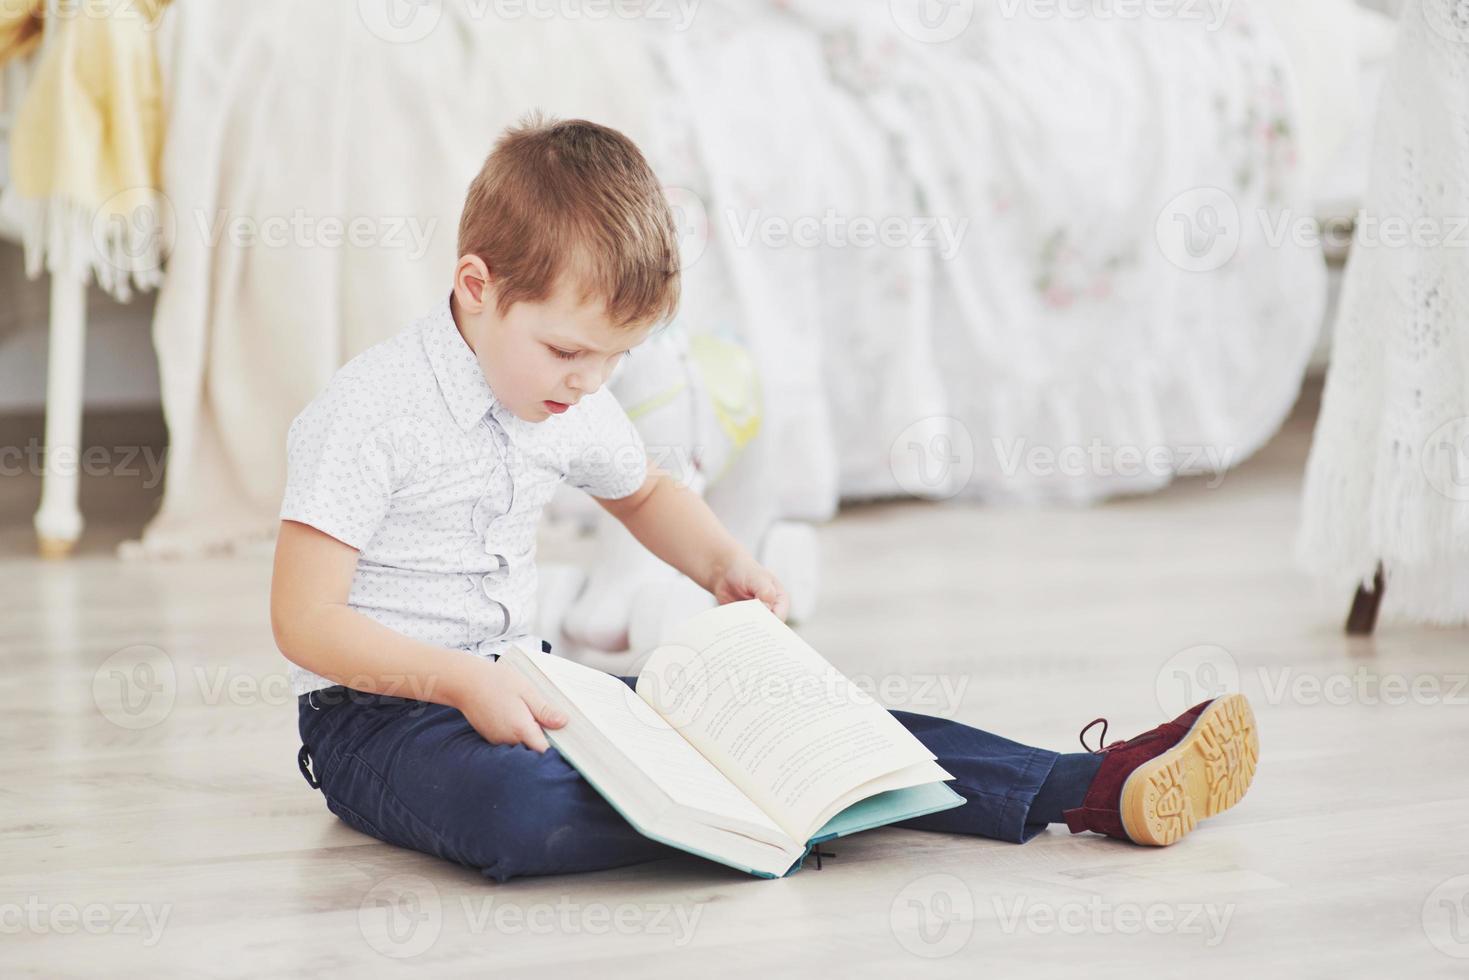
(59, 520)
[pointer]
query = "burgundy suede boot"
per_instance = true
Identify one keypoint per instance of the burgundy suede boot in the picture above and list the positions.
(1156, 787)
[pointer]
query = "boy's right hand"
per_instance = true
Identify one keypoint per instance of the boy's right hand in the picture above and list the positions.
(506, 709)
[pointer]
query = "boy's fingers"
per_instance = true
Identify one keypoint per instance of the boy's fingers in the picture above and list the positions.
(533, 738)
(774, 596)
(544, 714)
(523, 728)
(540, 713)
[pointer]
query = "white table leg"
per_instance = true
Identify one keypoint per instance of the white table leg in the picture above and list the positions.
(59, 521)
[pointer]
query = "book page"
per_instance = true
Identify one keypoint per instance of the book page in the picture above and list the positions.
(649, 742)
(781, 722)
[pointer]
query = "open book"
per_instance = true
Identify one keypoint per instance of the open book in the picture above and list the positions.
(741, 743)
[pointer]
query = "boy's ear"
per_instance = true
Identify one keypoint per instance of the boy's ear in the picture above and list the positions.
(472, 279)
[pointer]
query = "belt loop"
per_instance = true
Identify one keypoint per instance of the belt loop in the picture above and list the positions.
(301, 761)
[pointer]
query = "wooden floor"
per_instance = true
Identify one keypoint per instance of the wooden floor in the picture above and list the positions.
(172, 834)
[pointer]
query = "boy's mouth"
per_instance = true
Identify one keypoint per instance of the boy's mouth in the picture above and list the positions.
(556, 407)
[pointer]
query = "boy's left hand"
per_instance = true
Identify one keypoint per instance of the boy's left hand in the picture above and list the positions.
(746, 578)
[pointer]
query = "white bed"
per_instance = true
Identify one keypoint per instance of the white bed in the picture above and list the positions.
(1059, 323)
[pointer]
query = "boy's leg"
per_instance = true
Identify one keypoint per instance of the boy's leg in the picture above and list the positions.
(1012, 791)
(1151, 789)
(418, 775)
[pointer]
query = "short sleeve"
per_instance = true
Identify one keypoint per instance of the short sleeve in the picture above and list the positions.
(605, 455)
(340, 465)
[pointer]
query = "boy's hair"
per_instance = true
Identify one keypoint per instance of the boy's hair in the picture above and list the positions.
(572, 197)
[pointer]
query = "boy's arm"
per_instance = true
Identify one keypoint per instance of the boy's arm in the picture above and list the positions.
(676, 524)
(316, 629)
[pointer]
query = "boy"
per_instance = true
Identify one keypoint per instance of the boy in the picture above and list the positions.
(405, 561)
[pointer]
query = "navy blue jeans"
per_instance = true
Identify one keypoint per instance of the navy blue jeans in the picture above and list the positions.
(417, 775)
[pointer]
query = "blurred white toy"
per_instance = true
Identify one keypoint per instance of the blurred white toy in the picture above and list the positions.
(696, 402)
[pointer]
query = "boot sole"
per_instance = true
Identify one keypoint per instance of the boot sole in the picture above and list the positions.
(1206, 773)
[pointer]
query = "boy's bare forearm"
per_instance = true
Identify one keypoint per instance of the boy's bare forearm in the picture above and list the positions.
(345, 646)
(676, 524)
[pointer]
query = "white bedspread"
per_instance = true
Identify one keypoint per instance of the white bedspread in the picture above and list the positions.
(1026, 337)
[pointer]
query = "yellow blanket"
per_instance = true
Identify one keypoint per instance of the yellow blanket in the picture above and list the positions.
(85, 148)
(20, 27)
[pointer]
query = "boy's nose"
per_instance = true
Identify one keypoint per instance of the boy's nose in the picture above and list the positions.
(590, 382)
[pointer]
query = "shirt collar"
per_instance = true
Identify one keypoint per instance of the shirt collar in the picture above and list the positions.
(460, 378)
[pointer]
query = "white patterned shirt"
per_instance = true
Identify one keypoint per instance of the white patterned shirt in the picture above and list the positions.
(408, 457)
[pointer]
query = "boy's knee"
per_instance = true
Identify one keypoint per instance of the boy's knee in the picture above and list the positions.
(519, 810)
(544, 818)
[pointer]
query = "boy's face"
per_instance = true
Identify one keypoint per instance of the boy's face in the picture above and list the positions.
(541, 358)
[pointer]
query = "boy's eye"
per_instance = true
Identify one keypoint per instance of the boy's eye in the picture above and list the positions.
(565, 355)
